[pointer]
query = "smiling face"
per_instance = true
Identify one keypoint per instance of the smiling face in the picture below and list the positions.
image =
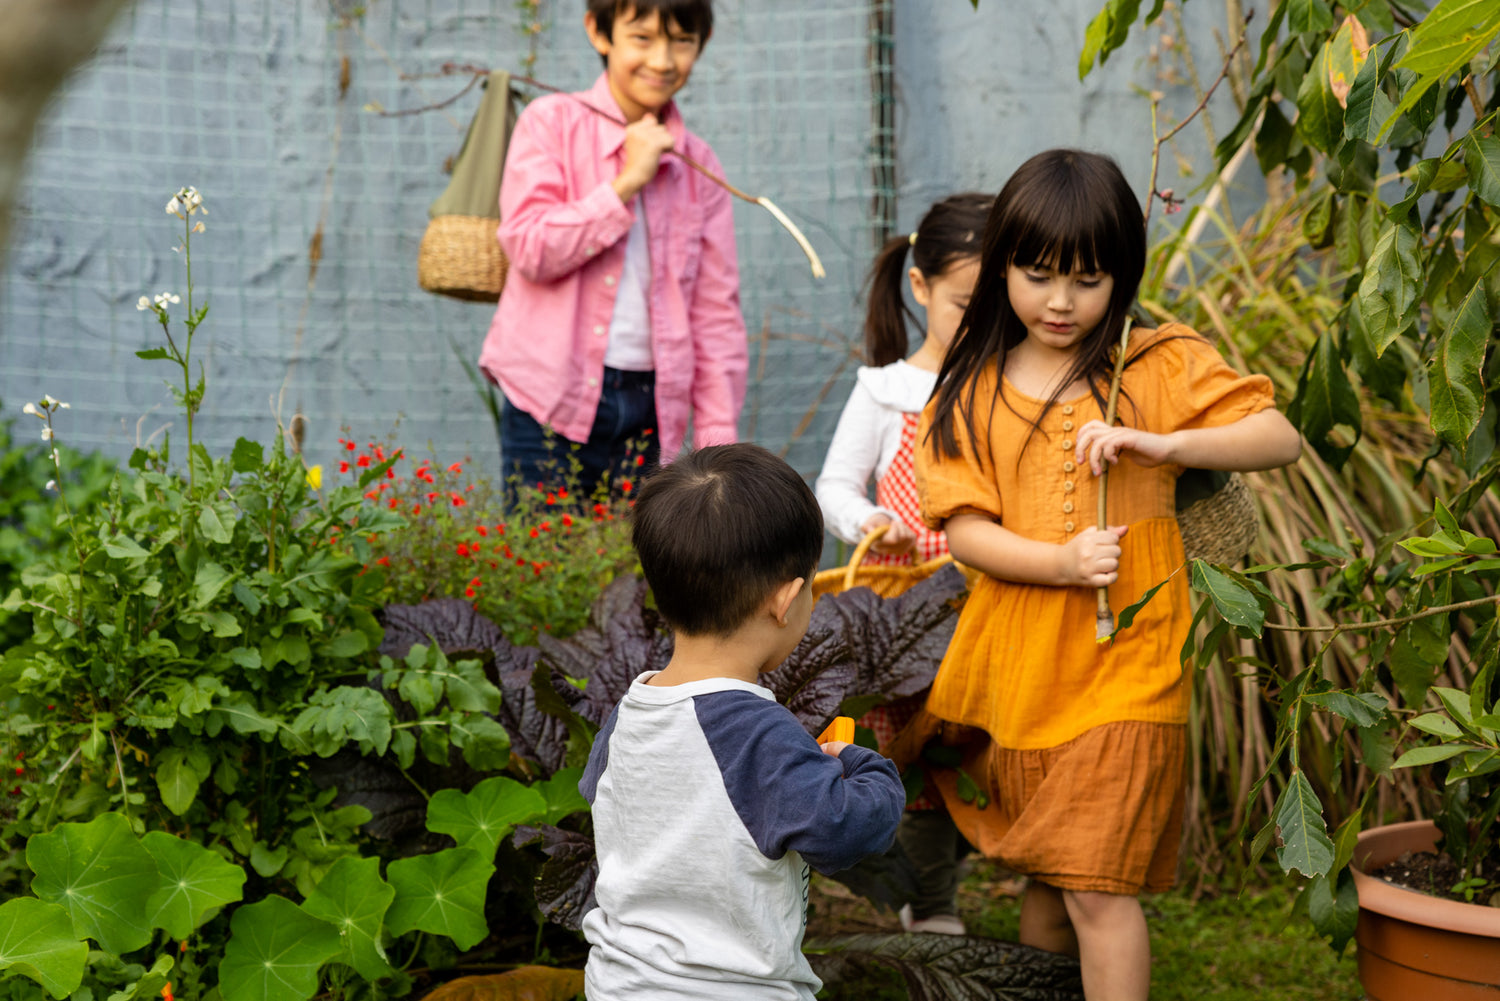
(1057, 308)
(647, 59)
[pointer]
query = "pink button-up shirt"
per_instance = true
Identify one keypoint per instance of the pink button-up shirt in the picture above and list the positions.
(563, 228)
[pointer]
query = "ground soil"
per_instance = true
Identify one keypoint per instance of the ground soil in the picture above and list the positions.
(1434, 874)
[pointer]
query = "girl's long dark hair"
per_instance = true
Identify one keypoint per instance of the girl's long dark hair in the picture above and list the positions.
(950, 232)
(1065, 209)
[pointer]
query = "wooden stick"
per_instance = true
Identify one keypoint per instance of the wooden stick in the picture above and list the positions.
(1104, 624)
(807, 248)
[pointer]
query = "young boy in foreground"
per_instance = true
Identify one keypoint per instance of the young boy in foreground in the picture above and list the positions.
(710, 800)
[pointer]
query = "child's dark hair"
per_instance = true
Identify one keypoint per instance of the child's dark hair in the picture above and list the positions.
(695, 16)
(1064, 209)
(721, 528)
(948, 234)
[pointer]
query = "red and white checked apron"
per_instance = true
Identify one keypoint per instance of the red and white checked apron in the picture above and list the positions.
(896, 491)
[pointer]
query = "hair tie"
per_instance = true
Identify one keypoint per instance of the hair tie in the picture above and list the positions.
(913, 238)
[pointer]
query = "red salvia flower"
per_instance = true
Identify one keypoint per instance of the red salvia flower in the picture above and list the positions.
(363, 462)
(343, 466)
(481, 530)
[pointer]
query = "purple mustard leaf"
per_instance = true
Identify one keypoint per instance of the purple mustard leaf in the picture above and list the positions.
(565, 885)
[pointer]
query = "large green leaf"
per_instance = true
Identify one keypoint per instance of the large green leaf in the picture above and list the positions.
(1303, 16)
(1321, 117)
(1443, 42)
(37, 941)
(1325, 401)
(1334, 914)
(1368, 107)
(1482, 163)
(195, 882)
(179, 772)
(1106, 32)
(479, 818)
(1305, 846)
(562, 795)
(1235, 602)
(1388, 291)
(1361, 709)
(100, 874)
(353, 898)
(442, 893)
(274, 952)
(1456, 378)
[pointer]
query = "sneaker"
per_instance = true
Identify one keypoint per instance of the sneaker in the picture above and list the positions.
(938, 924)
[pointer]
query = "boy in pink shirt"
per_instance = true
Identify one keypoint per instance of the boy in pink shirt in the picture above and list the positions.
(620, 318)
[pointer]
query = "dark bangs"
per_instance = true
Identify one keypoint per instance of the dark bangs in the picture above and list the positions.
(1073, 211)
(693, 16)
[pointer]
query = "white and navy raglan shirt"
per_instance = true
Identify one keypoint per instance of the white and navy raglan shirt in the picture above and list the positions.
(710, 804)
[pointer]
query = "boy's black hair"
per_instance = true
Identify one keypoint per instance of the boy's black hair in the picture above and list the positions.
(721, 528)
(695, 16)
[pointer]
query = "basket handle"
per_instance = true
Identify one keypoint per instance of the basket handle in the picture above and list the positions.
(860, 551)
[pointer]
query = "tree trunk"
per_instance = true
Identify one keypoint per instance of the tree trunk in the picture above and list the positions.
(42, 42)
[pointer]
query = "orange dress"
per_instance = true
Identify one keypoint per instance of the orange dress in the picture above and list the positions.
(1080, 746)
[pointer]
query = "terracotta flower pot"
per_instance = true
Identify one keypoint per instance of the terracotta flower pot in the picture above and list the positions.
(1412, 946)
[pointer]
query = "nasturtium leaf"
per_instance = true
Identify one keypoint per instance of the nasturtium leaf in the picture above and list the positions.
(1457, 376)
(353, 898)
(442, 893)
(194, 883)
(267, 861)
(177, 780)
(1235, 602)
(1361, 709)
(100, 874)
(274, 952)
(37, 941)
(562, 795)
(1389, 289)
(479, 818)
(1304, 836)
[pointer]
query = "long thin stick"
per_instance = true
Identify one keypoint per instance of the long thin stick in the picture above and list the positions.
(807, 248)
(1104, 624)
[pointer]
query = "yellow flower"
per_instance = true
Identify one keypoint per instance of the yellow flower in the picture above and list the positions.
(315, 477)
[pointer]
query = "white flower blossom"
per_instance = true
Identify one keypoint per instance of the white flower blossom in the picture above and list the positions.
(52, 485)
(198, 226)
(143, 303)
(65, 406)
(174, 207)
(46, 434)
(48, 399)
(31, 409)
(167, 298)
(53, 455)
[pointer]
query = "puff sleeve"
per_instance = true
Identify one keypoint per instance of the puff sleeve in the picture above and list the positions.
(1197, 387)
(961, 484)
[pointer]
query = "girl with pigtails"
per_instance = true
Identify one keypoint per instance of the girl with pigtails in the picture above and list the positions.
(874, 441)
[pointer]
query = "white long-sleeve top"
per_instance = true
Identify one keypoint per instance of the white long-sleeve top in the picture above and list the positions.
(866, 441)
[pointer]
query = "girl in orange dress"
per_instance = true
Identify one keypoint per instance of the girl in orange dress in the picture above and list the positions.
(1077, 747)
(874, 441)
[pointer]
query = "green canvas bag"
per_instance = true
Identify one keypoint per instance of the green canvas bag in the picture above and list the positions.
(460, 253)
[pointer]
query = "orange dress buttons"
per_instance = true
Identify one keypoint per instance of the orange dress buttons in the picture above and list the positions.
(1068, 466)
(1067, 507)
(1067, 425)
(1067, 526)
(1067, 444)
(1067, 486)
(1068, 408)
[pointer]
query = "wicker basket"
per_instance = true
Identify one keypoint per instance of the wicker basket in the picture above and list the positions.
(886, 580)
(1221, 526)
(460, 256)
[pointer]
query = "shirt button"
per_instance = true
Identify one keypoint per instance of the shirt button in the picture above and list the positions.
(609, 279)
(1068, 466)
(1067, 507)
(1067, 425)
(1067, 444)
(1068, 487)
(1068, 409)
(1067, 526)
(592, 382)
(599, 329)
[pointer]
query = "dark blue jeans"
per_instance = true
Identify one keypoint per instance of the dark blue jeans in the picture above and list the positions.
(624, 432)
